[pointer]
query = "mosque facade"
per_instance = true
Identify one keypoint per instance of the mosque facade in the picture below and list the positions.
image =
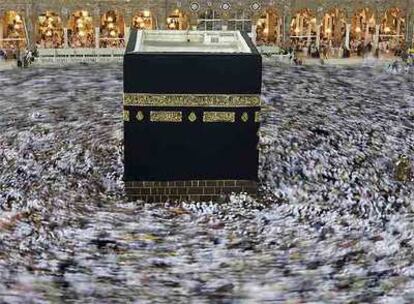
(106, 23)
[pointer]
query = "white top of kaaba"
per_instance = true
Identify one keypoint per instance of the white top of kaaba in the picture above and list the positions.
(170, 41)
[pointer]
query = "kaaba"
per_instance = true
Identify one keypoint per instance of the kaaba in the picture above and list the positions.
(191, 115)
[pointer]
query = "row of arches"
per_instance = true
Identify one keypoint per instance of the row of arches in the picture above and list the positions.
(364, 27)
(270, 28)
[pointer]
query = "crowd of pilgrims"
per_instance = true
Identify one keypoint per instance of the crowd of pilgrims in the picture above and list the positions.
(296, 49)
(300, 49)
(327, 50)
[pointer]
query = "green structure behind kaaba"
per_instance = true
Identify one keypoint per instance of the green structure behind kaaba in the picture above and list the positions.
(191, 114)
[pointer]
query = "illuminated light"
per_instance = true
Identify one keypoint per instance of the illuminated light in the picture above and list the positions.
(142, 25)
(49, 33)
(42, 19)
(297, 30)
(16, 26)
(139, 19)
(79, 21)
(110, 19)
(81, 33)
(80, 25)
(387, 29)
(18, 18)
(328, 30)
(112, 33)
(168, 20)
(358, 29)
(85, 13)
(110, 25)
(313, 20)
(147, 13)
(266, 31)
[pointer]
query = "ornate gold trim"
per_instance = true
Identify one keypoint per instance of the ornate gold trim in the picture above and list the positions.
(140, 116)
(126, 115)
(257, 116)
(219, 117)
(166, 116)
(192, 117)
(190, 100)
(245, 117)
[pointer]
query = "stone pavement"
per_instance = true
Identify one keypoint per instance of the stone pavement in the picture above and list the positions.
(7, 65)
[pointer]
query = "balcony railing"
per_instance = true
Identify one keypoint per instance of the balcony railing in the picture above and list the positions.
(67, 55)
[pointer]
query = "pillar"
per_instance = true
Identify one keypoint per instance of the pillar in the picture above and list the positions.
(97, 32)
(377, 33)
(224, 25)
(308, 41)
(347, 35)
(271, 24)
(366, 33)
(330, 27)
(127, 30)
(279, 24)
(287, 18)
(254, 33)
(318, 34)
(411, 30)
(127, 25)
(65, 38)
(1, 33)
(398, 30)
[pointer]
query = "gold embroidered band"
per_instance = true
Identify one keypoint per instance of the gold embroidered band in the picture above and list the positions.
(126, 115)
(166, 116)
(191, 100)
(219, 117)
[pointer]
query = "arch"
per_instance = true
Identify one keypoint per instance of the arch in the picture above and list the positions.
(363, 25)
(269, 27)
(177, 20)
(210, 20)
(144, 20)
(49, 30)
(81, 31)
(14, 36)
(392, 31)
(112, 30)
(303, 28)
(333, 26)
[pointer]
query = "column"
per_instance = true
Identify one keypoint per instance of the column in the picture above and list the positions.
(330, 23)
(254, 34)
(1, 33)
(318, 34)
(271, 24)
(224, 25)
(398, 27)
(308, 41)
(127, 25)
(286, 28)
(278, 32)
(377, 33)
(366, 33)
(65, 38)
(127, 30)
(97, 32)
(347, 35)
